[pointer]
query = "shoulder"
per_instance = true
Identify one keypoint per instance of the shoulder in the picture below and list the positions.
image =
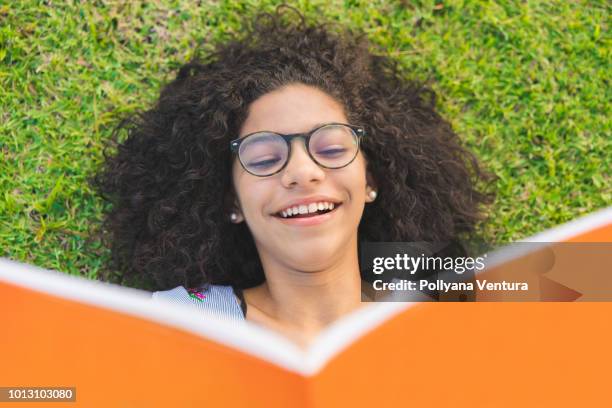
(218, 300)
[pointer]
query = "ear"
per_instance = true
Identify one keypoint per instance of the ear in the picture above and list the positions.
(233, 208)
(371, 188)
(236, 216)
(371, 184)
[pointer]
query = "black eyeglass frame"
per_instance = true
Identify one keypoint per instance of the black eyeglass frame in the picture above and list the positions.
(358, 131)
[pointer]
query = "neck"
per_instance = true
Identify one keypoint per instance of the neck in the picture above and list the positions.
(308, 301)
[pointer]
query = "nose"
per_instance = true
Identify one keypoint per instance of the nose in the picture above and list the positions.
(301, 169)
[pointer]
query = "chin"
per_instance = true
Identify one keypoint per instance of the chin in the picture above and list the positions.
(313, 256)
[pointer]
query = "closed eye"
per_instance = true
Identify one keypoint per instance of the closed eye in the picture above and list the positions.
(331, 152)
(264, 163)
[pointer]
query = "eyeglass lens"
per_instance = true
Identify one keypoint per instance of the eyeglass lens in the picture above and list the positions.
(332, 146)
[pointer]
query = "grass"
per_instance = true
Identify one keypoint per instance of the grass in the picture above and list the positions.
(524, 83)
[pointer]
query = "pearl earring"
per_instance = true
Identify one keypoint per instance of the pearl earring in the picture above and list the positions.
(233, 217)
(372, 195)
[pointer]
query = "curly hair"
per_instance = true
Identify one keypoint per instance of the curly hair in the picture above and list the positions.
(169, 182)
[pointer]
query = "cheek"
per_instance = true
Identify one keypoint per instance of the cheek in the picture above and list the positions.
(253, 194)
(244, 186)
(356, 177)
(236, 175)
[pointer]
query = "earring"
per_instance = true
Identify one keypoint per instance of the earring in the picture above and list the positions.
(372, 195)
(233, 217)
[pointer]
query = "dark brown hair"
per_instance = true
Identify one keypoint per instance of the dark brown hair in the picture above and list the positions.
(169, 182)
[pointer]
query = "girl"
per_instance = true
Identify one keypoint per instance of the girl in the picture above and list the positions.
(248, 187)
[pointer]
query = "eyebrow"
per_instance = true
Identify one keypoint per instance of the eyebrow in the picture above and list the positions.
(316, 125)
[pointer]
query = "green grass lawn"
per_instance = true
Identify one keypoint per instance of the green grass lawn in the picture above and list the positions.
(524, 83)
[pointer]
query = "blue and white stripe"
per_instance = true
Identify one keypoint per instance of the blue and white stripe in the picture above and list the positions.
(219, 301)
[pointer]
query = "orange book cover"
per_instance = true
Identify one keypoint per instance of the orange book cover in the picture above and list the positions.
(117, 348)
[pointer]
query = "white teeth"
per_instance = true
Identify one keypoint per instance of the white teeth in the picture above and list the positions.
(305, 209)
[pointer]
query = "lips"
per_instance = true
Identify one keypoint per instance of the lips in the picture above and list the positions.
(310, 219)
(304, 211)
(306, 205)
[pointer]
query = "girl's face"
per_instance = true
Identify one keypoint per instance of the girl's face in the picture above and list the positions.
(311, 243)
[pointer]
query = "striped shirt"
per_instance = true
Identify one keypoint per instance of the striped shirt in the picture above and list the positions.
(223, 302)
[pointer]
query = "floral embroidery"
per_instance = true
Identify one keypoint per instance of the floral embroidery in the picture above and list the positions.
(197, 294)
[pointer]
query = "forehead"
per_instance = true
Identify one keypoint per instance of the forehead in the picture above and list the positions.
(292, 108)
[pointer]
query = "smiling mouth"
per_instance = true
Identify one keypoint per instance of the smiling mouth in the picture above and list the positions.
(308, 214)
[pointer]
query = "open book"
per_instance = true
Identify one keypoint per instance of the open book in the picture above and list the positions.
(118, 348)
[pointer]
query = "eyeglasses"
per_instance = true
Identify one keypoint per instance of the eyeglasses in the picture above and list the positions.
(332, 146)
